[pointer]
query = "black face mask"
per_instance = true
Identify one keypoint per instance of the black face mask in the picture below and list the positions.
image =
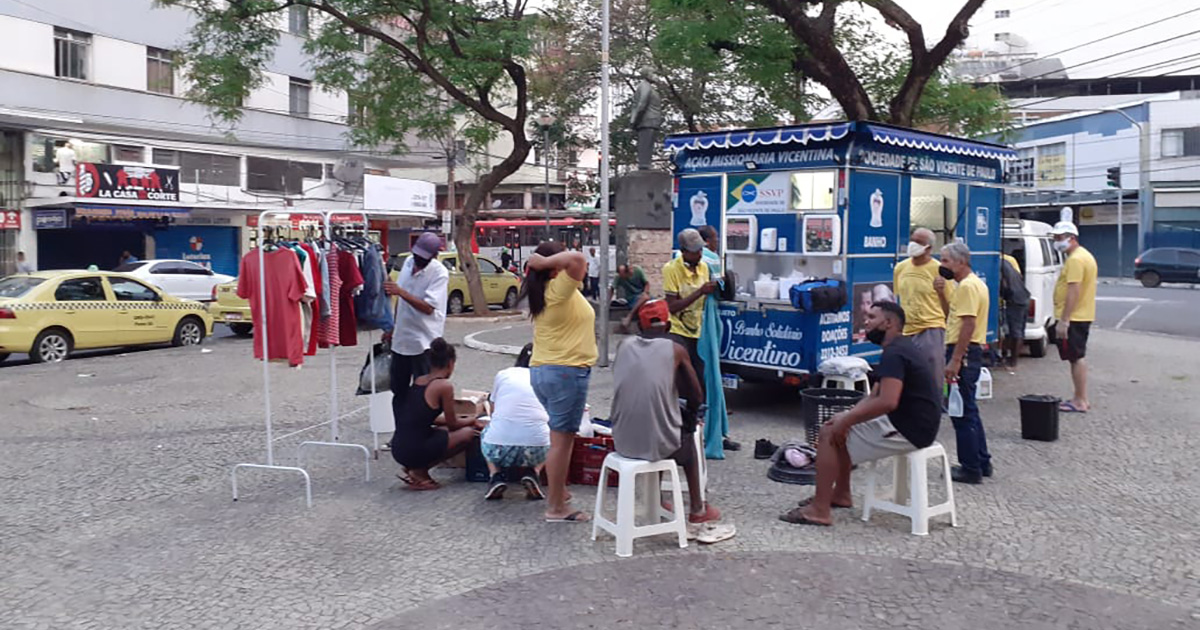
(945, 272)
(420, 263)
(876, 336)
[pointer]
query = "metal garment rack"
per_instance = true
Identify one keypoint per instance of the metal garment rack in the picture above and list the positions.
(334, 417)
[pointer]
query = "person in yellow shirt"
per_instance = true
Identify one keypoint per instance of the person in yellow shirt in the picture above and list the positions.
(1074, 309)
(966, 332)
(564, 350)
(686, 284)
(923, 296)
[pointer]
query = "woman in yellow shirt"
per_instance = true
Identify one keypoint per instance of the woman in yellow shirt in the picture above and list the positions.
(564, 350)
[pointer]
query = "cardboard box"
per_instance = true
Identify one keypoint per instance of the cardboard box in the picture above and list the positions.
(470, 403)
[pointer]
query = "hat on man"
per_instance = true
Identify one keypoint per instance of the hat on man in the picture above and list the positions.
(690, 240)
(427, 245)
(1064, 227)
(654, 312)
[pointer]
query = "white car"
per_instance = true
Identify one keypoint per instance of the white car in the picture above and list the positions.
(1031, 244)
(180, 278)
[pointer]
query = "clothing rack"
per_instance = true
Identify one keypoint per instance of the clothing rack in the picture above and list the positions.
(334, 417)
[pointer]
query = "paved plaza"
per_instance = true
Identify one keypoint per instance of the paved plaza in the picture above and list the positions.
(117, 514)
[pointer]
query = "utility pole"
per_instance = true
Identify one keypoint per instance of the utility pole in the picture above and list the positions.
(604, 302)
(545, 121)
(451, 189)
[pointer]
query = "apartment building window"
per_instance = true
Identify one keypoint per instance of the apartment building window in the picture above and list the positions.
(298, 20)
(1001, 37)
(1181, 142)
(356, 109)
(1052, 164)
(126, 153)
(280, 176)
(72, 54)
(201, 168)
(1002, 13)
(298, 93)
(160, 71)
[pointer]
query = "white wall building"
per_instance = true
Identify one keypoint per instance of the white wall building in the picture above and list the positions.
(95, 83)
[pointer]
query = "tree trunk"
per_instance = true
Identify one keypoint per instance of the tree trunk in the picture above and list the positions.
(464, 223)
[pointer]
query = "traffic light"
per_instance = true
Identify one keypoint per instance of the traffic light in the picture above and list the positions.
(1114, 177)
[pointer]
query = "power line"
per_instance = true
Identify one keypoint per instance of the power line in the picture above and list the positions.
(1116, 54)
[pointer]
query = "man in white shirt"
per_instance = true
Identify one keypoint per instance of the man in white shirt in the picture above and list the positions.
(420, 314)
(593, 275)
(24, 266)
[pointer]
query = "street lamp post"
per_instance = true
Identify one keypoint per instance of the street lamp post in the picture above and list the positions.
(604, 301)
(545, 121)
(1143, 187)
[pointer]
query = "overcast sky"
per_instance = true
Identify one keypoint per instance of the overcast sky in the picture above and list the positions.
(1054, 25)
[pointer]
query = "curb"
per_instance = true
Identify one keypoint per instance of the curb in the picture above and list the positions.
(471, 342)
(463, 319)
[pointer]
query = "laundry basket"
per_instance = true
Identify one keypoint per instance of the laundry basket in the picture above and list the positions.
(819, 405)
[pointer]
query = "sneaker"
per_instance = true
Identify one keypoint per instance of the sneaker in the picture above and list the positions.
(987, 469)
(533, 491)
(496, 488)
(764, 449)
(731, 445)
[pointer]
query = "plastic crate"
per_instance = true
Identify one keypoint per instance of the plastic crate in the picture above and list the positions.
(587, 458)
(818, 406)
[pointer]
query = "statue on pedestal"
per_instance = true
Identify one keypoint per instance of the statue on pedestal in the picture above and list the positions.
(647, 118)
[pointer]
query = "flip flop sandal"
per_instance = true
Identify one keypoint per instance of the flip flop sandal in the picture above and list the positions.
(424, 485)
(808, 501)
(1069, 407)
(797, 517)
(574, 517)
(716, 532)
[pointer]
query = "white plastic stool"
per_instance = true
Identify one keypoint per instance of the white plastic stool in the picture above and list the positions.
(983, 389)
(625, 529)
(910, 494)
(833, 381)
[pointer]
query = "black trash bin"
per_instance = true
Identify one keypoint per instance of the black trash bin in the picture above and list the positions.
(1039, 417)
(819, 405)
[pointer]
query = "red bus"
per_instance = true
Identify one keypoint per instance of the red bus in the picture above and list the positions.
(521, 236)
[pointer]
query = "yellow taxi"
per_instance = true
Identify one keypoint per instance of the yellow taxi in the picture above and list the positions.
(227, 308)
(50, 314)
(500, 287)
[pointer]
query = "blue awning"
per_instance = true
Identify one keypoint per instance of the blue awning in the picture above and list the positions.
(941, 144)
(759, 137)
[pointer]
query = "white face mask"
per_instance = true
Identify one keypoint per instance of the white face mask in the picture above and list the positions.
(1062, 246)
(915, 249)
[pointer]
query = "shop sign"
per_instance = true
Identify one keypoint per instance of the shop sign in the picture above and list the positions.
(10, 220)
(115, 181)
(750, 337)
(759, 193)
(128, 213)
(393, 194)
(50, 220)
(302, 220)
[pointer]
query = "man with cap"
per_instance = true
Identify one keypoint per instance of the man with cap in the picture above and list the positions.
(1074, 309)
(651, 373)
(686, 284)
(420, 314)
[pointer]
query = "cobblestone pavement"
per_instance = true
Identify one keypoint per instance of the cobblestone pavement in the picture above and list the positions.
(117, 514)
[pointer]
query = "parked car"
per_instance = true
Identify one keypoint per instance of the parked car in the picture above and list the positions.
(229, 309)
(180, 278)
(500, 287)
(50, 314)
(1031, 244)
(1167, 264)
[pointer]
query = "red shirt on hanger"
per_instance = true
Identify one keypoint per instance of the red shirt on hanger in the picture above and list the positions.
(285, 288)
(351, 280)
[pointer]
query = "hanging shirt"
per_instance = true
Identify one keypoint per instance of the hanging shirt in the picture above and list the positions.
(330, 326)
(352, 281)
(324, 292)
(284, 283)
(372, 305)
(415, 330)
(313, 329)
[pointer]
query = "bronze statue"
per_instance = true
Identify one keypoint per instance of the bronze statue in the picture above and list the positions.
(647, 118)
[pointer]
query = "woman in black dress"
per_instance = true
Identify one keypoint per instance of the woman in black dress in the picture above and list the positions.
(428, 431)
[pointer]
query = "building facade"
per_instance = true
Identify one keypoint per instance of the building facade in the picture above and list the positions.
(100, 152)
(1065, 161)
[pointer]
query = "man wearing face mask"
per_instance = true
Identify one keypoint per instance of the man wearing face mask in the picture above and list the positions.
(966, 332)
(901, 415)
(924, 295)
(420, 314)
(1075, 309)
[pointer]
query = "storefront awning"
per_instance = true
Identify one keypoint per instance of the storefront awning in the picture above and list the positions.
(942, 144)
(129, 212)
(759, 137)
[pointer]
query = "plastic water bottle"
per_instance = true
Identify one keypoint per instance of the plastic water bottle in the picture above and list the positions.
(956, 401)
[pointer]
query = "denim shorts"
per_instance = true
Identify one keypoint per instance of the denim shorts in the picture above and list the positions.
(562, 390)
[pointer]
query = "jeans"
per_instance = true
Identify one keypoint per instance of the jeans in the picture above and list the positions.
(562, 390)
(405, 369)
(973, 453)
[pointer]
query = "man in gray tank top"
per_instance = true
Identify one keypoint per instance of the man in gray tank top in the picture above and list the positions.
(650, 375)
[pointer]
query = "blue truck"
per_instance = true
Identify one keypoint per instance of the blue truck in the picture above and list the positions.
(834, 201)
